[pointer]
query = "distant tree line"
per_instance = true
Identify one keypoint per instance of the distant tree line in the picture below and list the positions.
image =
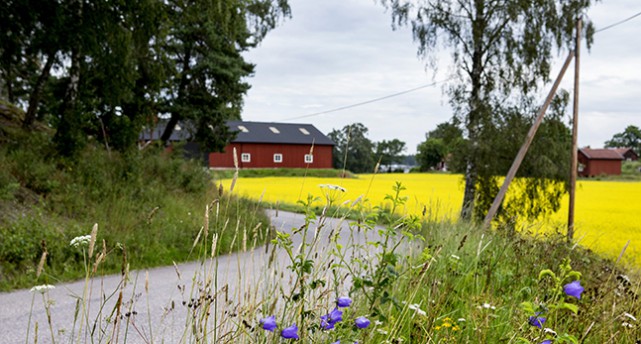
(629, 138)
(105, 68)
(355, 152)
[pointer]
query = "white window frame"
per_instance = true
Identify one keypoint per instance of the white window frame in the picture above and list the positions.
(278, 158)
(309, 158)
(245, 157)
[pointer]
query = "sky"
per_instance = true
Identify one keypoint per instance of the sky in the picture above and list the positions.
(336, 53)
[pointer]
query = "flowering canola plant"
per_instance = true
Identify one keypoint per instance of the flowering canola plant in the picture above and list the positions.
(606, 214)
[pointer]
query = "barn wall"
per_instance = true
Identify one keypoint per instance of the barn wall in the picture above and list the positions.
(609, 167)
(262, 156)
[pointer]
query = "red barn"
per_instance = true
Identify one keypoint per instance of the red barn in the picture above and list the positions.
(273, 145)
(594, 162)
(628, 154)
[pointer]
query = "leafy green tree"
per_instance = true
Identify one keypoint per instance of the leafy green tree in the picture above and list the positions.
(206, 80)
(629, 138)
(389, 152)
(503, 52)
(353, 150)
(430, 153)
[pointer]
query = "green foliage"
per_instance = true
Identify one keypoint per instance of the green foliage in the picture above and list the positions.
(353, 150)
(629, 138)
(389, 152)
(151, 202)
(430, 153)
(501, 51)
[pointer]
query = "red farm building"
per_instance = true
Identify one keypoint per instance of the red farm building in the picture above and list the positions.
(275, 145)
(628, 154)
(594, 162)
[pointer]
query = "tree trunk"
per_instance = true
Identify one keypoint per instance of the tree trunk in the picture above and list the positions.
(475, 114)
(182, 88)
(34, 99)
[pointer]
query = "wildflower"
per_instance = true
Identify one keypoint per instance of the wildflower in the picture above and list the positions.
(378, 323)
(79, 241)
(268, 323)
(361, 322)
(344, 301)
(337, 342)
(42, 288)
(573, 289)
(326, 324)
(381, 331)
(547, 341)
(332, 187)
(488, 306)
(290, 332)
(550, 331)
(627, 324)
(335, 316)
(536, 320)
(416, 307)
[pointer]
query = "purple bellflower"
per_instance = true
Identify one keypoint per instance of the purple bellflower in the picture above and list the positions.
(290, 332)
(361, 322)
(573, 289)
(269, 323)
(536, 320)
(343, 302)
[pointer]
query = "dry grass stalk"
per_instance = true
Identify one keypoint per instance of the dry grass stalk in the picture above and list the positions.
(92, 242)
(41, 264)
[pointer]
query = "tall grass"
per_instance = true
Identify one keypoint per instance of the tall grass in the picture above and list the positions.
(410, 279)
(146, 201)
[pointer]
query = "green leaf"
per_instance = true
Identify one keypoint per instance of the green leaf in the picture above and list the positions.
(572, 307)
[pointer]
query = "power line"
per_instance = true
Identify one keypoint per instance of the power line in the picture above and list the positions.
(619, 22)
(367, 101)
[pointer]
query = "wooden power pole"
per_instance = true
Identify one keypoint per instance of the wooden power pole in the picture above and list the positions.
(575, 132)
(526, 145)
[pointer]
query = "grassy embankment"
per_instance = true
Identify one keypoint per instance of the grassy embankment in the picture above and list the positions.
(149, 204)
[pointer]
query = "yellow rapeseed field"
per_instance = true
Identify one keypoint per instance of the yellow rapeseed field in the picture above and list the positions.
(608, 213)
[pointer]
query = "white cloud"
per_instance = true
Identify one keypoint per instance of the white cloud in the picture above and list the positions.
(334, 53)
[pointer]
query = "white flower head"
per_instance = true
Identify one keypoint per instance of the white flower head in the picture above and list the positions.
(417, 308)
(42, 288)
(550, 331)
(378, 323)
(627, 324)
(488, 306)
(455, 257)
(80, 241)
(332, 187)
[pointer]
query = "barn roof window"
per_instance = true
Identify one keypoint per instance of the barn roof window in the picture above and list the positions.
(243, 128)
(304, 131)
(274, 130)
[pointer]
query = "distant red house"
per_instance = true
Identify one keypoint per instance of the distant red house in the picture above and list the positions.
(273, 145)
(628, 154)
(594, 162)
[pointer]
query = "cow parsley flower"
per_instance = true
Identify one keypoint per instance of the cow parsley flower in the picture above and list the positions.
(42, 288)
(361, 322)
(290, 332)
(79, 241)
(573, 289)
(268, 323)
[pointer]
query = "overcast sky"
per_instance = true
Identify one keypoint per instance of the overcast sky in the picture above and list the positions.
(335, 53)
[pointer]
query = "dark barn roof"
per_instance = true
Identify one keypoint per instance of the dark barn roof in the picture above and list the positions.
(270, 132)
(250, 132)
(601, 154)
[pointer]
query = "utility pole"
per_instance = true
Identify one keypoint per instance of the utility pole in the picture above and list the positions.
(526, 145)
(575, 132)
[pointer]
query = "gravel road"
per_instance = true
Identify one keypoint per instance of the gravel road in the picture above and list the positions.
(242, 272)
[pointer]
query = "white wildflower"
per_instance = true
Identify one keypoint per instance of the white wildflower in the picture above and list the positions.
(455, 257)
(461, 320)
(381, 331)
(626, 324)
(550, 331)
(79, 241)
(378, 323)
(417, 308)
(332, 187)
(42, 288)
(488, 306)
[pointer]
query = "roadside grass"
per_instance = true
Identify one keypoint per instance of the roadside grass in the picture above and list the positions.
(391, 279)
(148, 203)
